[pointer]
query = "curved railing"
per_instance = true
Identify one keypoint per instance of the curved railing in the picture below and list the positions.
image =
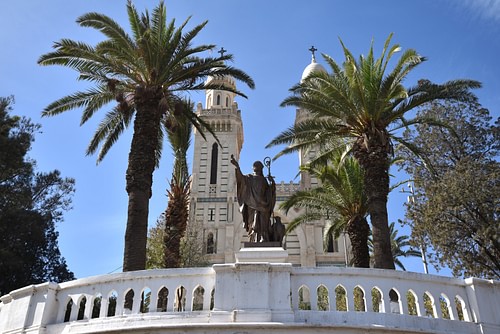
(380, 291)
(261, 293)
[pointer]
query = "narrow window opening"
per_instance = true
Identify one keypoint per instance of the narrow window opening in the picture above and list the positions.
(81, 310)
(211, 215)
(330, 248)
(213, 166)
(210, 243)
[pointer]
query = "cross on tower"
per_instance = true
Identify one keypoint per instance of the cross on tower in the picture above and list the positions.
(313, 50)
(222, 51)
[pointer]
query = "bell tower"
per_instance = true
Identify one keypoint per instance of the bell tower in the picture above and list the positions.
(306, 181)
(214, 207)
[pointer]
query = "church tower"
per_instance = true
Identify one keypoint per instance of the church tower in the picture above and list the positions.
(214, 208)
(306, 181)
(310, 234)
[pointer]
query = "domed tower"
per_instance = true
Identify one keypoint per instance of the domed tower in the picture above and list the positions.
(310, 234)
(306, 181)
(213, 209)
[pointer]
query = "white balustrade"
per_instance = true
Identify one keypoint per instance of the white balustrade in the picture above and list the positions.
(256, 297)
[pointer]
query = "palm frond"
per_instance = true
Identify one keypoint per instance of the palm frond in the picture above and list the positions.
(426, 91)
(101, 97)
(108, 131)
(109, 27)
(73, 101)
(307, 217)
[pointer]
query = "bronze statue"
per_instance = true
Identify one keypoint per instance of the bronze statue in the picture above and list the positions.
(278, 230)
(256, 198)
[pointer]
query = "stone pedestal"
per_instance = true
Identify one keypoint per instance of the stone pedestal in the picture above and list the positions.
(254, 289)
(258, 252)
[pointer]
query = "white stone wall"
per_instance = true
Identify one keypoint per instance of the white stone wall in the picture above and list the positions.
(257, 297)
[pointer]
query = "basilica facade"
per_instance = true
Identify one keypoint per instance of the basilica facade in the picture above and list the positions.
(214, 206)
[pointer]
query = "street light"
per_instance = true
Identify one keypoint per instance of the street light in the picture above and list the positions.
(411, 200)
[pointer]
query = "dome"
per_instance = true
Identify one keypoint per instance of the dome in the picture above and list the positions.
(312, 67)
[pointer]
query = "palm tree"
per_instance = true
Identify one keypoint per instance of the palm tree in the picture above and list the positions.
(144, 75)
(341, 200)
(397, 245)
(177, 213)
(359, 102)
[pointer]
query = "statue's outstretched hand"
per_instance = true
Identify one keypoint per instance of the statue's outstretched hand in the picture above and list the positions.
(234, 162)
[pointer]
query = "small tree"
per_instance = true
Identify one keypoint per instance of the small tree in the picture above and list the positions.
(31, 203)
(192, 246)
(155, 247)
(455, 206)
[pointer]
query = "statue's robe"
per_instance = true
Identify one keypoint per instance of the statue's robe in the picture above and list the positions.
(256, 199)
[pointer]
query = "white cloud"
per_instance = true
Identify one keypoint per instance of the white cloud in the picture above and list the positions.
(485, 9)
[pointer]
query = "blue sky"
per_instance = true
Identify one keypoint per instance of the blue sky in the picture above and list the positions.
(270, 41)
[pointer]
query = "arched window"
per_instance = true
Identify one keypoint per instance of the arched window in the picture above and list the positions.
(332, 245)
(341, 298)
(81, 309)
(145, 300)
(359, 299)
(213, 165)
(323, 298)
(227, 101)
(198, 297)
(304, 298)
(161, 306)
(377, 302)
(395, 301)
(218, 100)
(96, 308)
(180, 299)
(210, 243)
(129, 300)
(112, 298)
(67, 314)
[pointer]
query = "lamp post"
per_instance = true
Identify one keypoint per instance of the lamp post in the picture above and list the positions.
(411, 200)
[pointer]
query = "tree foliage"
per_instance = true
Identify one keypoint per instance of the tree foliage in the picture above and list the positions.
(155, 248)
(191, 249)
(456, 207)
(363, 101)
(31, 203)
(340, 199)
(143, 75)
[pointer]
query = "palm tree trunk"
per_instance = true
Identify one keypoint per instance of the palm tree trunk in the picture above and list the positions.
(358, 231)
(377, 188)
(373, 156)
(139, 178)
(176, 217)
